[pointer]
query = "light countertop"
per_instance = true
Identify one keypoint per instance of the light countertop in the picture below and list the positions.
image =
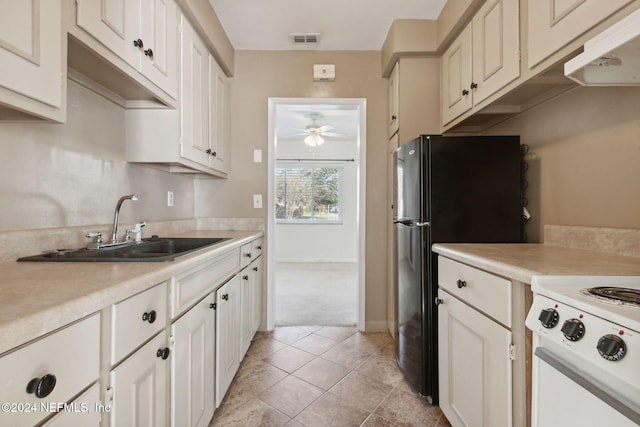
(39, 297)
(521, 261)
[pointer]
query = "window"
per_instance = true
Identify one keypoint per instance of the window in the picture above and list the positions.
(308, 194)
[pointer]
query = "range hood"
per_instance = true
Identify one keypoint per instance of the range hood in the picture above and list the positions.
(610, 59)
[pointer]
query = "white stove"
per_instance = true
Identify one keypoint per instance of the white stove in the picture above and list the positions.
(586, 369)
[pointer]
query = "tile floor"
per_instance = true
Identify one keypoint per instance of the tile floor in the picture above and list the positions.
(323, 376)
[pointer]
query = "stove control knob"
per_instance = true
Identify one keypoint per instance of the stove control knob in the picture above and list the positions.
(549, 318)
(611, 347)
(573, 329)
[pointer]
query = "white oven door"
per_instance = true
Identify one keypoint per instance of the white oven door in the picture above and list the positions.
(562, 397)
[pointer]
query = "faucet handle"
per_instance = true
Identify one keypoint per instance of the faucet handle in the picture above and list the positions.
(136, 232)
(96, 234)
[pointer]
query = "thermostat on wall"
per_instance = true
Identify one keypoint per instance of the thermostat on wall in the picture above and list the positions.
(324, 72)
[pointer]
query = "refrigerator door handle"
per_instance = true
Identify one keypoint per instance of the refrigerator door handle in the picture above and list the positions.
(423, 224)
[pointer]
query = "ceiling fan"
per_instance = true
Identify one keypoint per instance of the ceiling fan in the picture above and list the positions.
(314, 133)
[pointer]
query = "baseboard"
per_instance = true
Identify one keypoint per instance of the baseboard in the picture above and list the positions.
(376, 326)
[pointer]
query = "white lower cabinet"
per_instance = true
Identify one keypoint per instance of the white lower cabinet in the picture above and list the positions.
(193, 363)
(475, 371)
(228, 318)
(140, 386)
(481, 347)
(165, 356)
(50, 371)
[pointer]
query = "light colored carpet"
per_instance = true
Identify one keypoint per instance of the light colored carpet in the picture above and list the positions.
(323, 294)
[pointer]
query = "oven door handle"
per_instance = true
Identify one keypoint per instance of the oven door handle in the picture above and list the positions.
(592, 387)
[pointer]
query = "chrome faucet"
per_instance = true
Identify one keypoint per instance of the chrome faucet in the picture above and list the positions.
(114, 234)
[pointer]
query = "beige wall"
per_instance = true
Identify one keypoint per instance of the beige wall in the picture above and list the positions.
(58, 175)
(584, 161)
(260, 75)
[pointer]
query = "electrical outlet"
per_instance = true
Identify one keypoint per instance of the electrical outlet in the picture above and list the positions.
(257, 201)
(170, 198)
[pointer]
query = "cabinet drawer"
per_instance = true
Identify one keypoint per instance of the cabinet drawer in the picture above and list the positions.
(246, 255)
(82, 412)
(194, 284)
(256, 248)
(136, 319)
(488, 293)
(70, 355)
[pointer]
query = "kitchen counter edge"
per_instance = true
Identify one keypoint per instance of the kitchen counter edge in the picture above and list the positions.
(521, 261)
(40, 297)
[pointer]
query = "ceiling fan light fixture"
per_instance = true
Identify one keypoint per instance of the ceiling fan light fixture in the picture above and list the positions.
(314, 140)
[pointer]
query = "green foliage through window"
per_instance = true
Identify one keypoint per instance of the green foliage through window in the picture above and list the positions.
(308, 194)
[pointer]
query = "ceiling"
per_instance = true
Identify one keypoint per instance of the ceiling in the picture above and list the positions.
(342, 24)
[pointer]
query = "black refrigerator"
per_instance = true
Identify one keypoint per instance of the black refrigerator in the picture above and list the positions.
(447, 190)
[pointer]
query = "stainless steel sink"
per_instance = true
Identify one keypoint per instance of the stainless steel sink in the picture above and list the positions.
(154, 249)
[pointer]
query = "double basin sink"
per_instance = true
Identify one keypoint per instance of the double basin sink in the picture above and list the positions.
(154, 249)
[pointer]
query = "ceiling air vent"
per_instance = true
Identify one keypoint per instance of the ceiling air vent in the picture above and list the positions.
(305, 38)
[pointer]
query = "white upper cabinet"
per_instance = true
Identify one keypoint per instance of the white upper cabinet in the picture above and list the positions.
(553, 24)
(496, 47)
(218, 116)
(32, 74)
(456, 77)
(482, 60)
(141, 32)
(204, 103)
(195, 95)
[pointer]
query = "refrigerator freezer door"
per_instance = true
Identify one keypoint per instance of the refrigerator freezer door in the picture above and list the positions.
(410, 182)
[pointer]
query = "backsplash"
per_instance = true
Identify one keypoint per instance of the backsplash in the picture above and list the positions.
(618, 241)
(14, 244)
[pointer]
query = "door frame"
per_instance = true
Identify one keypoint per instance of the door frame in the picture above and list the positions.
(361, 107)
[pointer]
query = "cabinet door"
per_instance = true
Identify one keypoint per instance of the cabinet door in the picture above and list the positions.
(159, 27)
(195, 96)
(496, 57)
(247, 301)
(193, 381)
(474, 366)
(218, 116)
(553, 24)
(393, 93)
(140, 387)
(256, 284)
(115, 24)
(456, 77)
(227, 335)
(31, 49)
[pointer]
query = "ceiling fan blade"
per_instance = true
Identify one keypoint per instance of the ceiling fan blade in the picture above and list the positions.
(334, 134)
(325, 128)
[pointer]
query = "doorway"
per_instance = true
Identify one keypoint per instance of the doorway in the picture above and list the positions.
(316, 216)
